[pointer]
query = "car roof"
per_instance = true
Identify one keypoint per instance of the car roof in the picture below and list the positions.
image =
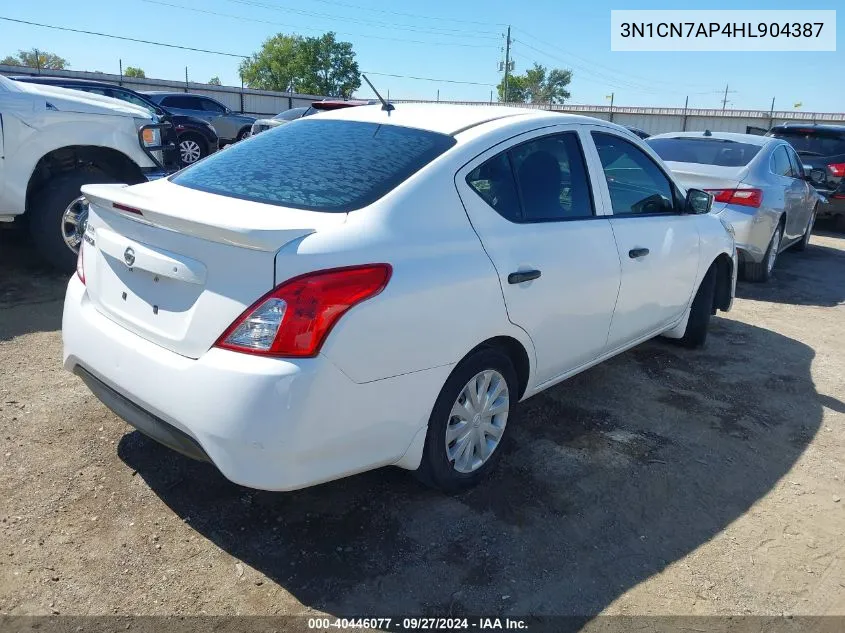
(67, 80)
(821, 127)
(751, 139)
(440, 117)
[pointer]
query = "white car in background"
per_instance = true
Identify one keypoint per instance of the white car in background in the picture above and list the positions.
(759, 186)
(389, 296)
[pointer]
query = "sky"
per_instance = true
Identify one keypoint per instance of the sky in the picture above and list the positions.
(454, 40)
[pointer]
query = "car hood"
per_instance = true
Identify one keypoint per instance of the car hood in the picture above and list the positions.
(67, 100)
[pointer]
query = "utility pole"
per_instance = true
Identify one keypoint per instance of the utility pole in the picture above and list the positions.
(612, 95)
(37, 60)
(686, 105)
(186, 79)
(507, 63)
(120, 83)
(438, 95)
(725, 100)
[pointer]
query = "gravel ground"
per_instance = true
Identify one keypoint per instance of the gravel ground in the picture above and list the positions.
(664, 481)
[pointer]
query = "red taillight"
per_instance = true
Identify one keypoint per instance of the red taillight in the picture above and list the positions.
(742, 197)
(837, 169)
(295, 318)
(80, 263)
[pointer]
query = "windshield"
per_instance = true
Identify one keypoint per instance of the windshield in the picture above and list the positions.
(290, 115)
(320, 165)
(719, 152)
(813, 142)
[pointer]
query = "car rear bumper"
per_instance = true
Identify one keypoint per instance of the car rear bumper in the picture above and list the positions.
(834, 205)
(266, 423)
(753, 229)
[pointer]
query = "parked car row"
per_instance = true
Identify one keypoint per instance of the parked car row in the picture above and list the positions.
(293, 114)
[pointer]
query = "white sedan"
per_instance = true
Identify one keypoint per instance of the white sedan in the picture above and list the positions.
(389, 294)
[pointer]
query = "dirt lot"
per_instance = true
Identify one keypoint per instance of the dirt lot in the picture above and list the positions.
(662, 482)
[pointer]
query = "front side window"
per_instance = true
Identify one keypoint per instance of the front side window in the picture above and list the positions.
(538, 181)
(780, 162)
(182, 103)
(317, 164)
(130, 98)
(635, 182)
(795, 163)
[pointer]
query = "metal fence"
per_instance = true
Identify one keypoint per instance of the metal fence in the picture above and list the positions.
(247, 100)
(652, 120)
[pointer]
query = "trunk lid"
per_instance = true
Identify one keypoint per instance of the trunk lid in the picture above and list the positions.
(697, 176)
(177, 266)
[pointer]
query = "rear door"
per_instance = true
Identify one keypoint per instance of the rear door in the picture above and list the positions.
(185, 104)
(658, 245)
(531, 203)
(808, 195)
(215, 114)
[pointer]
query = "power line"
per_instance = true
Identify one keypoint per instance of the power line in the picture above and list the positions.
(293, 26)
(408, 15)
(121, 37)
(365, 22)
(596, 64)
(445, 81)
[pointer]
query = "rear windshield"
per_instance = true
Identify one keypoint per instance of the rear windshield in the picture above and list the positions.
(813, 142)
(704, 151)
(320, 165)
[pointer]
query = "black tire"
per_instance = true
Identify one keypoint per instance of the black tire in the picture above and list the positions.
(244, 133)
(46, 208)
(195, 146)
(804, 242)
(760, 272)
(435, 469)
(702, 309)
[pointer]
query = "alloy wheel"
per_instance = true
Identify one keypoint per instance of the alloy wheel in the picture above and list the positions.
(477, 421)
(74, 222)
(189, 151)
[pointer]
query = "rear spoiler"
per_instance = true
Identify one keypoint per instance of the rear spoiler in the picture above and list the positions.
(117, 200)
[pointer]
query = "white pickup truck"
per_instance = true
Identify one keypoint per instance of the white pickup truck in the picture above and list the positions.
(53, 141)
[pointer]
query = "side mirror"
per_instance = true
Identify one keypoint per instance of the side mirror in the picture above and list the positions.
(816, 176)
(698, 202)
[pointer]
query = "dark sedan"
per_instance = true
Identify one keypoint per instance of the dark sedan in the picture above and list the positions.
(194, 137)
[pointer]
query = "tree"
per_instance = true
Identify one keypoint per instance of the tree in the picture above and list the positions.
(134, 71)
(37, 59)
(214, 81)
(312, 65)
(538, 85)
(517, 90)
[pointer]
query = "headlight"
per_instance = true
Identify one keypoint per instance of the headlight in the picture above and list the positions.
(150, 137)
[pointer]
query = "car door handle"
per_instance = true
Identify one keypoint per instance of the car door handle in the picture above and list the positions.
(522, 276)
(637, 252)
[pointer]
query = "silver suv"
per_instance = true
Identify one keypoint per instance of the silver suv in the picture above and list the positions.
(230, 125)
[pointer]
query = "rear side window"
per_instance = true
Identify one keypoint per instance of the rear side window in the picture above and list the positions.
(209, 105)
(542, 180)
(320, 165)
(780, 162)
(704, 151)
(813, 142)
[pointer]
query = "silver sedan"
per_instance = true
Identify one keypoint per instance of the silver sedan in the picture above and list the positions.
(759, 189)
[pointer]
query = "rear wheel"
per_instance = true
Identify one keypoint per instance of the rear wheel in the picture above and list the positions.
(191, 149)
(702, 309)
(469, 421)
(805, 241)
(763, 271)
(58, 216)
(244, 133)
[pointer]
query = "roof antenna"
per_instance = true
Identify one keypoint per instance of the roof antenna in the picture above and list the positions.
(387, 107)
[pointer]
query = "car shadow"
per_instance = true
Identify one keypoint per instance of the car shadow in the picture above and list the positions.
(812, 277)
(31, 293)
(606, 479)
